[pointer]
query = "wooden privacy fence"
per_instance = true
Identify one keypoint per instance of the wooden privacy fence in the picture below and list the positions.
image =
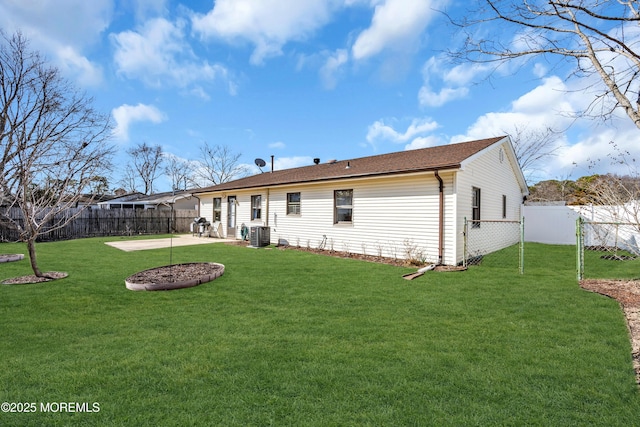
(103, 222)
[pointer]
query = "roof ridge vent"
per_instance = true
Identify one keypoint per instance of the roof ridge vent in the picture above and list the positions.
(332, 161)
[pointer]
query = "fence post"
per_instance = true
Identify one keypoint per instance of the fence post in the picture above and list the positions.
(465, 242)
(579, 248)
(522, 245)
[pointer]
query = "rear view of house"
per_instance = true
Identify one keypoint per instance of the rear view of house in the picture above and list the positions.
(409, 203)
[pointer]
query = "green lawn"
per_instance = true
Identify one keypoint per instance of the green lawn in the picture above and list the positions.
(597, 266)
(293, 338)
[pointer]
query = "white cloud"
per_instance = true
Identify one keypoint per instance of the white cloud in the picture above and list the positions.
(146, 8)
(429, 98)
(414, 135)
(332, 67)
(540, 70)
(599, 150)
(281, 163)
(548, 105)
(60, 35)
(585, 146)
(550, 96)
(453, 81)
(50, 21)
(267, 24)
(278, 145)
(74, 64)
(396, 25)
(158, 54)
(424, 142)
(125, 115)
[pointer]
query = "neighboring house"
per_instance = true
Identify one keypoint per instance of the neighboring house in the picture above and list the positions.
(379, 205)
(179, 200)
(92, 200)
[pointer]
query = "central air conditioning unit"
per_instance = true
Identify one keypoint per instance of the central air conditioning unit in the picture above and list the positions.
(260, 236)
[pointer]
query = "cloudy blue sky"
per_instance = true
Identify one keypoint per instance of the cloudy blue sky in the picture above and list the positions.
(333, 79)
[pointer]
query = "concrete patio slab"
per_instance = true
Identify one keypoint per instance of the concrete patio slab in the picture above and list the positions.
(180, 240)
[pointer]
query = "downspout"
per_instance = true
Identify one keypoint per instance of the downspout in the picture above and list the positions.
(267, 209)
(440, 218)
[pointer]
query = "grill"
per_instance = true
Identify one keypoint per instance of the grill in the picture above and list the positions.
(200, 225)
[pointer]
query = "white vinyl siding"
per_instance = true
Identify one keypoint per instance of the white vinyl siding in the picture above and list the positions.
(496, 179)
(390, 213)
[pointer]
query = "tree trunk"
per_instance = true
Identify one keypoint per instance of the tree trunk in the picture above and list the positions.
(31, 245)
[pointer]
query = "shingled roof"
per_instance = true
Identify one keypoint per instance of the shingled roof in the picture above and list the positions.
(426, 159)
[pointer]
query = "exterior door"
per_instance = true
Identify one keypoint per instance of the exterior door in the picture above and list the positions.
(231, 217)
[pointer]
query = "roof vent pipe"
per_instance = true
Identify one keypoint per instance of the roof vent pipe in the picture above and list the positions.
(272, 163)
(316, 160)
(348, 165)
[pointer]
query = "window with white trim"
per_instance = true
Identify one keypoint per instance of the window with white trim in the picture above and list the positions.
(256, 207)
(343, 206)
(293, 203)
(475, 207)
(217, 209)
(504, 206)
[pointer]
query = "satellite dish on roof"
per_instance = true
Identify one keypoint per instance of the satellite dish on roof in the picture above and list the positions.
(260, 163)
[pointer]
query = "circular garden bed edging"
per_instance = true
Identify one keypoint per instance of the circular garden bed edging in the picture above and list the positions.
(176, 276)
(11, 257)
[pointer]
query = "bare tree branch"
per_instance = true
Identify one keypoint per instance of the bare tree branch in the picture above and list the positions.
(146, 164)
(599, 36)
(219, 164)
(533, 147)
(179, 170)
(52, 143)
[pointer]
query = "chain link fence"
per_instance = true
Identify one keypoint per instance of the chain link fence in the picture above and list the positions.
(498, 243)
(607, 250)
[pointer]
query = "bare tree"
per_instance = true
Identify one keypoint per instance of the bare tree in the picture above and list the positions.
(618, 195)
(599, 37)
(146, 165)
(219, 164)
(621, 193)
(179, 170)
(129, 179)
(52, 143)
(534, 146)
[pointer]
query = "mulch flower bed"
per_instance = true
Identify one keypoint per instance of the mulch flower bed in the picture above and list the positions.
(32, 278)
